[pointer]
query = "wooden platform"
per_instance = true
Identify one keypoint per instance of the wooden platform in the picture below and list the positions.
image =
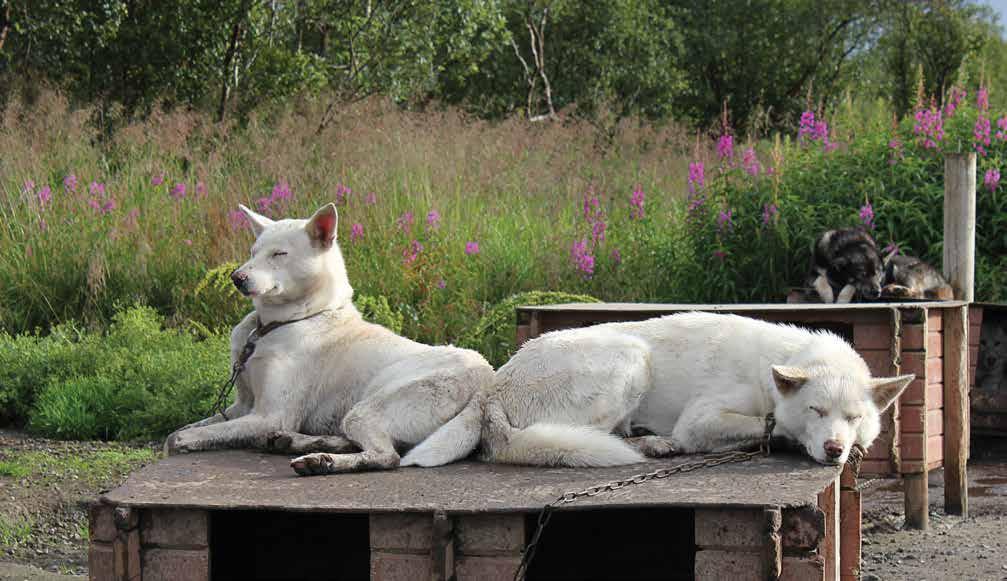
(235, 514)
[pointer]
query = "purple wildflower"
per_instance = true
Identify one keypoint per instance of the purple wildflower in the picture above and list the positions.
(616, 257)
(97, 189)
(471, 248)
(930, 126)
(892, 248)
(725, 220)
(697, 176)
(992, 179)
(433, 219)
(983, 99)
(178, 191)
(769, 213)
(70, 183)
(238, 219)
(371, 199)
(725, 146)
(957, 94)
(592, 205)
(582, 258)
(867, 215)
(405, 221)
(281, 192)
(895, 146)
(263, 204)
(29, 186)
(157, 180)
(188, 241)
(342, 194)
(200, 189)
(636, 201)
(412, 252)
(811, 129)
(598, 232)
(981, 134)
(44, 196)
(356, 232)
(108, 206)
(750, 162)
(442, 284)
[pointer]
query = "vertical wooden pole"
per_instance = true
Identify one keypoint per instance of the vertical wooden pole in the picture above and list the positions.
(849, 523)
(917, 500)
(956, 410)
(960, 223)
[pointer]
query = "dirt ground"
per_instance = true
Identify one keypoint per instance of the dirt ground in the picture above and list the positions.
(65, 476)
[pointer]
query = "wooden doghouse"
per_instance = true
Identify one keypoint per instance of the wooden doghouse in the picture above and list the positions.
(926, 429)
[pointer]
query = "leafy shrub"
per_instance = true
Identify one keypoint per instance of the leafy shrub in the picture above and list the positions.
(377, 310)
(494, 334)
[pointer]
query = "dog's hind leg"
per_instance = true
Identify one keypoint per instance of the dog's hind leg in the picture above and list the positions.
(652, 446)
(707, 425)
(297, 443)
(363, 425)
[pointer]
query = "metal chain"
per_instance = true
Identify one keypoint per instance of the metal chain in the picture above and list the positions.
(567, 497)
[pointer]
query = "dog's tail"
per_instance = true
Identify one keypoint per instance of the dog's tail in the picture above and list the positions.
(453, 441)
(547, 444)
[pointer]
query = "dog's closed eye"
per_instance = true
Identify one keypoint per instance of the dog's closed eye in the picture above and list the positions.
(821, 413)
(851, 418)
(279, 253)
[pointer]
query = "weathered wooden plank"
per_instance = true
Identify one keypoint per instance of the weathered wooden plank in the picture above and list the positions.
(960, 223)
(935, 344)
(916, 500)
(956, 411)
(883, 308)
(872, 336)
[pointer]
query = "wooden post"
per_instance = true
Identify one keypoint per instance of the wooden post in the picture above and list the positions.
(917, 501)
(956, 410)
(960, 223)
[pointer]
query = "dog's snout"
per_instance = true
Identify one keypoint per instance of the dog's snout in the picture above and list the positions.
(239, 279)
(833, 449)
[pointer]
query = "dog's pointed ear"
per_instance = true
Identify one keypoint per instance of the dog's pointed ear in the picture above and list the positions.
(258, 222)
(884, 390)
(322, 226)
(789, 379)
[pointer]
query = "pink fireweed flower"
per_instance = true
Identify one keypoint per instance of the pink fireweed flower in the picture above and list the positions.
(811, 129)
(636, 202)
(697, 176)
(616, 257)
(263, 204)
(592, 205)
(725, 220)
(70, 183)
(29, 186)
(405, 221)
(992, 179)
(1002, 128)
(157, 180)
(442, 284)
(981, 134)
(281, 192)
(598, 232)
(108, 206)
(342, 194)
(356, 232)
(237, 219)
(769, 213)
(178, 191)
(929, 126)
(895, 147)
(983, 99)
(582, 258)
(471, 248)
(200, 189)
(433, 219)
(954, 99)
(371, 199)
(188, 242)
(750, 162)
(867, 215)
(892, 248)
(97, 189)
(725, 146)
(44, 196)
(412, 252)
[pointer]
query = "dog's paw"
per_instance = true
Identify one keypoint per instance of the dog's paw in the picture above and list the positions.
(314, 464)
(175, 444)
(897, 291)
(653, 446)
(279, 442)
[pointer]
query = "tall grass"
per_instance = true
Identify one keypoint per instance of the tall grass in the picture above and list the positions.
(513, 189)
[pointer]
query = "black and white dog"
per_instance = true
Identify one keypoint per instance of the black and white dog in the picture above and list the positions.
(847, 266)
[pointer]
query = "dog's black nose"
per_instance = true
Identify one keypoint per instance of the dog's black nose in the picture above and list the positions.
(239, 279)
(833, 449)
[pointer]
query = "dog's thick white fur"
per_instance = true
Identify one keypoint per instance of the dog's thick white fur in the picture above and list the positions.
(696, 382)
(351, 391)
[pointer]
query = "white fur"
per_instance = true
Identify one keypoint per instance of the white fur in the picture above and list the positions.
(358, 385)
(705, 381)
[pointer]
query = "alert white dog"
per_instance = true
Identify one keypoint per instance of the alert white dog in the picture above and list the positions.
(323, 380)
(694, 382)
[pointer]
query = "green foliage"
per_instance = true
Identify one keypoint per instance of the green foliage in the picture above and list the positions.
(137, 381)
(14, 530)
(377, 310)
(494, 334)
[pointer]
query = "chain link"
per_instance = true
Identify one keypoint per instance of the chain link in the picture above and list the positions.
(567, 497)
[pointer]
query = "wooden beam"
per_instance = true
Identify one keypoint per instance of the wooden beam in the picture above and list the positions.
(960, 223)
(956, 411)
(917, 501)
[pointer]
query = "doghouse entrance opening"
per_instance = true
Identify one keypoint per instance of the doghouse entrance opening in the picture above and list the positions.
(651, 543)
(260, 545)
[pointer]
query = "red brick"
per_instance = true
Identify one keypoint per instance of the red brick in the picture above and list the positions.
(489, 534)
(935, 396)
(935, 344)
(176, 565)
(730, 528)
(912, 337)
(180, 528)
(803, 568)
(872, 337)
(101, 526)
(398, 567)
(935, 422)
(101, 561)
(935, 370)
(486, 568)
(736, 566)
(403, 532)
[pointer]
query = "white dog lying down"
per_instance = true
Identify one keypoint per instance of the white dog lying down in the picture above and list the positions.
(699, 382)
(327, 381)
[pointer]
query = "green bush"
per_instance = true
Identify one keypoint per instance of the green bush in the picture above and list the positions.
(137, 381)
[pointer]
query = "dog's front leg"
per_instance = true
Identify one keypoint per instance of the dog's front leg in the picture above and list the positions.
(846, 295)
(248, 431)
(706, 425)
(824, 289)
